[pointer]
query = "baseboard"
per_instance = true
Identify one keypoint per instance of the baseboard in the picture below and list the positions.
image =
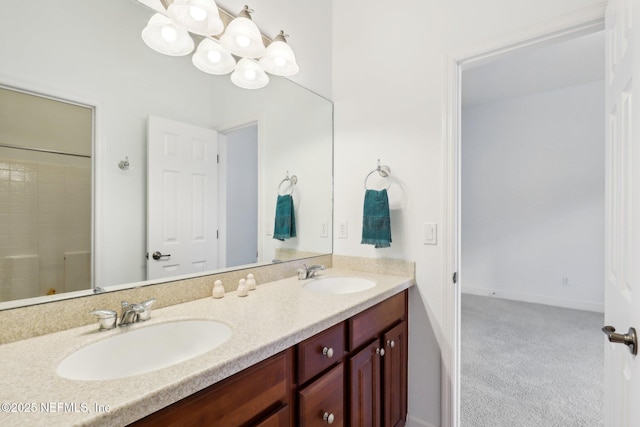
(537, 299)
(414, 422)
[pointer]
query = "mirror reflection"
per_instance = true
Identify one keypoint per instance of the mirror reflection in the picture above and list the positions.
(142, 107)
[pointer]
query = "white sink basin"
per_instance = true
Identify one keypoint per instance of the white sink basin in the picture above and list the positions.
(144, 350)
(339, 285)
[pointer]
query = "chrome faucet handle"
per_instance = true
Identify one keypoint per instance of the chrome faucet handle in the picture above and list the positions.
(146, 312)
(313, 270)
(130, 313)
(107, 319)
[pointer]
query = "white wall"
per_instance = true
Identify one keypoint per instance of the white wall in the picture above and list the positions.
(533, 197)
(388, 89)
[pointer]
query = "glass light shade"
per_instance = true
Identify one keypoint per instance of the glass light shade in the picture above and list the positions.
(249, 75)
(242, 38)
(198, 16)
(163, 36)
(212, 58)
(279, 59)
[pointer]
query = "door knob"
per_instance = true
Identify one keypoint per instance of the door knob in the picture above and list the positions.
(157, 255)
(629, 339)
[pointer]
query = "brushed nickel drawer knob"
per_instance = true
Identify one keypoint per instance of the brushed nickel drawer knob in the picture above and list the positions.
(380, 351)
(328, 351)
(328, 418)
(391, 343)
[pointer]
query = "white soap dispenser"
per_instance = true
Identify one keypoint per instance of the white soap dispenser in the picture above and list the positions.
(218, 289)
(251, 282)
(242, 291)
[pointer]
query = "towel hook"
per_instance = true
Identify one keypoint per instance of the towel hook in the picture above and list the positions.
(384, 171)
(293, 180)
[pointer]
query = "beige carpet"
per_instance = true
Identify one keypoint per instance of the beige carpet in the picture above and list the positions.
(530, 365)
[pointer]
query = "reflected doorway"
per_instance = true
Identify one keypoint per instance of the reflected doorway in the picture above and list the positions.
(239, 171)
(46, 173)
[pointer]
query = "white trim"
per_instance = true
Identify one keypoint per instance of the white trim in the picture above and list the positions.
(536, 299)
(415, 422)
(583, 21)
(222, 195)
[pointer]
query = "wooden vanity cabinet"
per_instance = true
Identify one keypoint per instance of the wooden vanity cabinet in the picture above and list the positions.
(352, 374)
(378, 371)
(259, 395)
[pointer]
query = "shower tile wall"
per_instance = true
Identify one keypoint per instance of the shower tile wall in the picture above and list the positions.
(45, 227)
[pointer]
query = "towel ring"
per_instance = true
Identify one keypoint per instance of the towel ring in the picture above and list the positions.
(293, 181)
(384, 171)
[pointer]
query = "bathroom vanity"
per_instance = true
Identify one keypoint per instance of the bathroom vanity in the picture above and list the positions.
(294, 357)
(355, 370)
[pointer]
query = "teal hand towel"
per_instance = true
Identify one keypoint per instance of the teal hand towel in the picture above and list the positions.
(376, 223)
(285, 223)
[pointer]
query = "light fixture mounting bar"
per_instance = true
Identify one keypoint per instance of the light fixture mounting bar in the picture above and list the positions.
(226, 17)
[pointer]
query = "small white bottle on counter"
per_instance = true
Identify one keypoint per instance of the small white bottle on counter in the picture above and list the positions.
(218, 289)
(242, 291)
(251, 282)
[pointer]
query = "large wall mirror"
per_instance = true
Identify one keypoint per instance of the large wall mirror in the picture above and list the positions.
(89, 55)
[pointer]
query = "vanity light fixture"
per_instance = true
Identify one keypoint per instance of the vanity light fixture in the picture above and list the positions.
(215, 53)
(212, 58)
(163, 36)
(249, 75)
(242, 37)
(279, 58)
(197, 16)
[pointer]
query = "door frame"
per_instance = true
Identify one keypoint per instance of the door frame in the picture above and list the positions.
(581, 22)
(223, 130)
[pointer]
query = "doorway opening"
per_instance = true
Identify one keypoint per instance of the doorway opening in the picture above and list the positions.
(239, 172)
(532, 235)
(588, 21)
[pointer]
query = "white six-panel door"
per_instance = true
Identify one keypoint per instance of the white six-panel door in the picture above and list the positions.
(182, 194)
(622, 227)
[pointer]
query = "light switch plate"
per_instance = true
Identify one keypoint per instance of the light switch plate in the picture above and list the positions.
(430, 233)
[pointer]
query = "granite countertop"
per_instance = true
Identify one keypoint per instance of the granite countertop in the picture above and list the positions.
(276, 316)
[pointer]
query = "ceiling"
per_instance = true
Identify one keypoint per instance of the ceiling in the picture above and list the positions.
(539, 69)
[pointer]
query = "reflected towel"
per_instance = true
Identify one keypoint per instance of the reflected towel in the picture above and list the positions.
(285, 223)
(376, 223)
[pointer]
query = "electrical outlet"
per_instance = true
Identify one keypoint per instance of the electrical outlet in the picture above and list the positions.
(343, 230)
(324, 229)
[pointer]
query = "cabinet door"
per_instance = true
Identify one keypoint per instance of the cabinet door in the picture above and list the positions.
(322, 401)
(394, 390)
(364, 387)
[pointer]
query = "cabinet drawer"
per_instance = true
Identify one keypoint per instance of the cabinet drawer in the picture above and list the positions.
(372, 322)
(238, 400)
(323, 396)
(279, 418)
(320, 352)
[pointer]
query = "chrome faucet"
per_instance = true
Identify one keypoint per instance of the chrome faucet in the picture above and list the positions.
(132, 313)
(309, 272)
